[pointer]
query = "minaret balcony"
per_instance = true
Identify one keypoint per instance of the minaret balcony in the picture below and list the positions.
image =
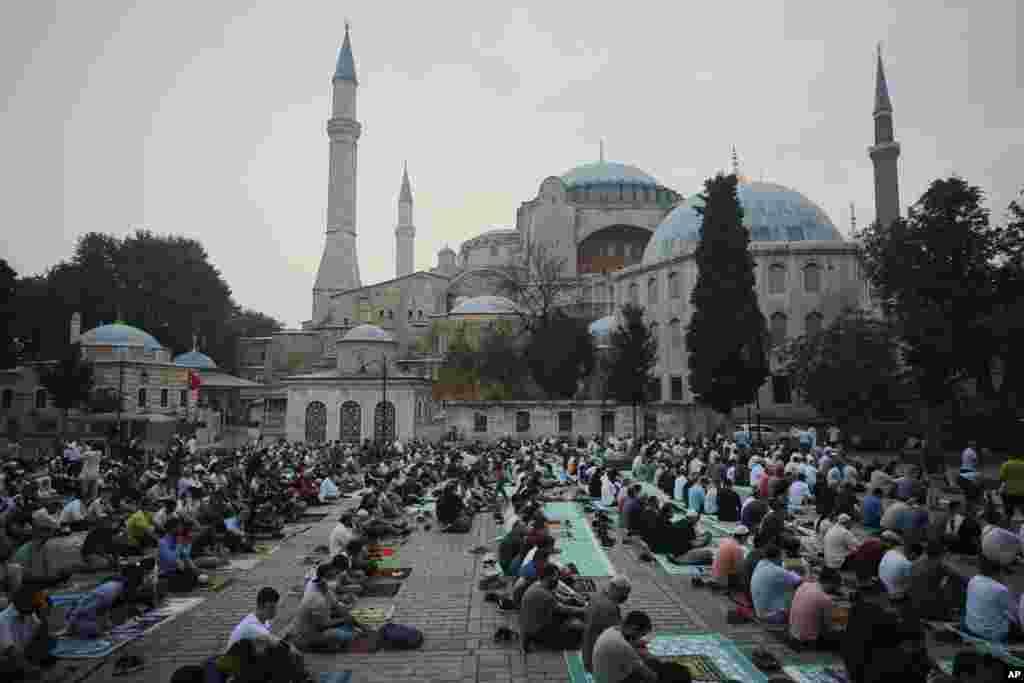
(344, 129)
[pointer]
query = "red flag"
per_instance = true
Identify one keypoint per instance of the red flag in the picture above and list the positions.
(193, 380)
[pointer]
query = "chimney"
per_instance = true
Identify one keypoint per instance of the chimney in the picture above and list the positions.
(76, 328)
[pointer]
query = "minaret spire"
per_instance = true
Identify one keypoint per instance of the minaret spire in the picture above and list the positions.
(885, 152)
(339, 264)
(602, 150)
(735, 162)
(853, 218)
(405, 231)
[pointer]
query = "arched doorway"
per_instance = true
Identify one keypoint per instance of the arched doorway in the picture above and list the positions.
(351, 422)
(612, 248)
(384, 421)
(316, 422)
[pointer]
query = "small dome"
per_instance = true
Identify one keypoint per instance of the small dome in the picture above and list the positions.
(492, 305)
(195, 360)
(119, 334)
(772, 213)
(602, 327)
(364, 333)
(606, 173)
(447, 250)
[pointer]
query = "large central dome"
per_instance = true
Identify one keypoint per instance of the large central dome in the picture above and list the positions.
(606, 173)
(772, 213)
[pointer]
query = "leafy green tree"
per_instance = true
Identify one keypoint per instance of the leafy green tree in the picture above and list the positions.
(69, 382)
(634, 354)
(559, 354)
(934, 276)
(850, 371)
(727, 335)
(502, 364)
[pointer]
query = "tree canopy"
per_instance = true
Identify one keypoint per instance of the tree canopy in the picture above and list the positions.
(165, 285)
(727, 335)
(8, 292)
(69, 381)
(559, 354)
(537, 281)
(850, 370)
(633, 357)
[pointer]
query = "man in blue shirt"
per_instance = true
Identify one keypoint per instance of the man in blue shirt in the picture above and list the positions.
(631, 507)
(769, 587)
(990, 613)
(695, 497)
(174, 561)
(872, 510)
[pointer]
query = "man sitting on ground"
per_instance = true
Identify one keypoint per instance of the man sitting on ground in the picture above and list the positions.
(839, 544)
(616, 659)
(543, 620)
(604, 611)
(769, 586)
(894, 570)
(176, 566)
(38, 560)
(872, 510)
(990, 611)
(254, 653)
(328, 491)
(810, 617)
(726, 565)
(728, 503)
(25, 636)
(933, 590)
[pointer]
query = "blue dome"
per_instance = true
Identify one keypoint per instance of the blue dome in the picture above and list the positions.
(367, 333)
(772, 213)
(195, 360)
(484, 305)
(606, 173)
(602, 327)
(119, 334)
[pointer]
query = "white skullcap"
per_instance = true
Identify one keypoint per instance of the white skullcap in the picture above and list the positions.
(620, 583)
(844, 518)
(693, 514)
(741, 530)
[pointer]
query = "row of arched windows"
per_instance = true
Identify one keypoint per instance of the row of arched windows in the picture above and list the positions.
(778, 330)
(391, 314)
(776, 284)
(622, 192)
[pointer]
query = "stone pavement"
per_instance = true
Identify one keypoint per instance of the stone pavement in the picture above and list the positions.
(441, 599)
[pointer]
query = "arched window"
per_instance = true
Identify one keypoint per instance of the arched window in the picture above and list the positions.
(813, 324)
(384, 421)
(611, 293)
(183, 398)
(380, 314)
(652, 291)
(419, 314)
(778, 328)
(676, 332)
(812, 278)
(494, 251)
(410, 314)
(142, 398)
(8, 399)
(479, 422)
(316, 422)
(350, 430)
(656, 335)
(391, 314)
(776, 278)
(40, 399)
(634, 294)
(674, 288)
(165, 399)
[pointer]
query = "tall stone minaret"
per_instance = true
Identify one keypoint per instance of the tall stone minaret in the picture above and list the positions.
(339, 265)
(405, 232)
(884, 154)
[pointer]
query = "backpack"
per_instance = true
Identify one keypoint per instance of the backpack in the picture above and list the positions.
(401, 637)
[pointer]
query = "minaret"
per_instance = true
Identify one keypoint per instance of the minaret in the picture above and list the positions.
(339, 265)
(405, 232)
(884, 153)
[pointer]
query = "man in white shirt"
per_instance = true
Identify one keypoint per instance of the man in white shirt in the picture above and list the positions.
(894, 570)
(679, 484)
(798, 493)
(272, 658)
(608, 489)
(839, 543)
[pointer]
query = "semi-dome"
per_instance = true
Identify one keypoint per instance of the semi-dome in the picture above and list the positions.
(602, 327)
(772, 213)
(484, 305)
(606, 173)
(195, 360)
(367, 333)
(121, 335)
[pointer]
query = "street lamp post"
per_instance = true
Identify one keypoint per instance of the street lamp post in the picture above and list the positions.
(120, 394)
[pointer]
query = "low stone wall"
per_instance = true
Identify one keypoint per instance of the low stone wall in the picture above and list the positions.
(502, 419)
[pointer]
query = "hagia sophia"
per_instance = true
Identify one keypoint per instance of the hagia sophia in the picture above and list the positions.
(359, 367)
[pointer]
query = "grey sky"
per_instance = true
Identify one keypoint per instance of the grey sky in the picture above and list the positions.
(207, 118)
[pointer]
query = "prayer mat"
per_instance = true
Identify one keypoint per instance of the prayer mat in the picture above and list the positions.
(385, 556)
(67, 600)
(380, 589)
(574, 663)
(674, 569)
(1014, 656)
(816, 673)
(372, 617)
(717, 529)
(733, 664)
(577, 543)
(336, 677)
(701, 667)
(263, 550)
(218, 583)
(399, 574)
(312, 516)
(76, 648)
(584, 585)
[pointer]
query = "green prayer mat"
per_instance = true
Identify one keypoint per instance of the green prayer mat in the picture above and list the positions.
(682, 569)
(813, 673)
(577, 541)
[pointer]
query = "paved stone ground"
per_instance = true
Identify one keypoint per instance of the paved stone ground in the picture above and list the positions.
(440, 598)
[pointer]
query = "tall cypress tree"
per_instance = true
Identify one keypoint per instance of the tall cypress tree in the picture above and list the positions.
(634, 355)
(727, 335)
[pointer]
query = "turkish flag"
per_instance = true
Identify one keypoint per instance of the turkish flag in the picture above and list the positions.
(193, 380)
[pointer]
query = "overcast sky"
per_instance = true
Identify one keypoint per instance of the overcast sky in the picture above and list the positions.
(207, 118)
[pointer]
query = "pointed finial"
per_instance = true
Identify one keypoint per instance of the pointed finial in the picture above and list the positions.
(345, 70)
(602, 150)
(853, 218)
(195, 342)
(882, 101)
(735, 162)
(406, 193)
